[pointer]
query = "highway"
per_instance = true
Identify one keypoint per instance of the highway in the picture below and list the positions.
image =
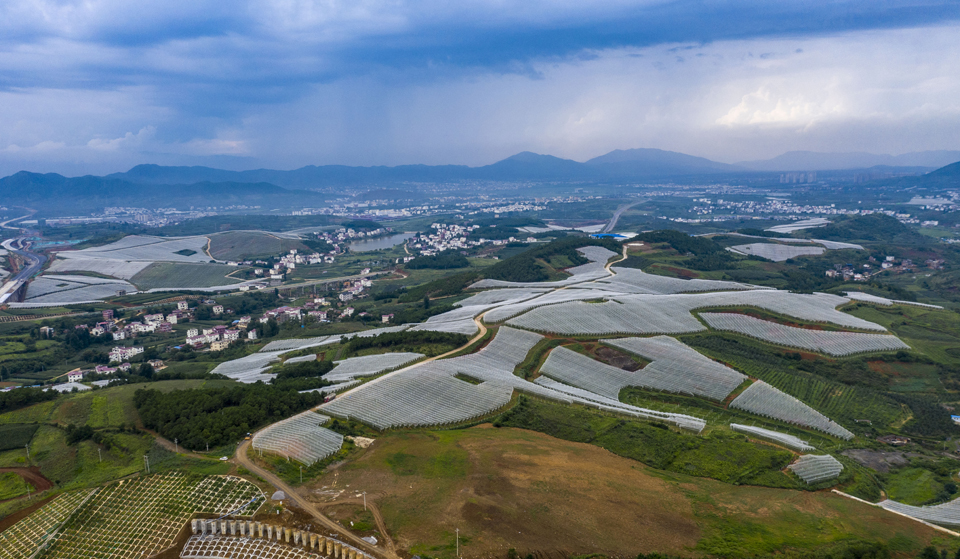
(616, 217)
(32, 262)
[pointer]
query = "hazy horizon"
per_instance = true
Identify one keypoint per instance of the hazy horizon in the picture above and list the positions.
(98, 87)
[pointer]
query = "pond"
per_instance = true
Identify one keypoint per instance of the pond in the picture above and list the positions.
(380, 243)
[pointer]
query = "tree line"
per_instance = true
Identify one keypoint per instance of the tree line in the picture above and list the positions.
(218, 416)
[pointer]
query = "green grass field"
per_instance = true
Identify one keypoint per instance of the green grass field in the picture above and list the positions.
(914, 486)
(934, 333)
(244, 245)
(12, 485)
(16, 435)
(178, 275)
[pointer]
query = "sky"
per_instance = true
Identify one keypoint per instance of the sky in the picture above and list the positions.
(97, 86)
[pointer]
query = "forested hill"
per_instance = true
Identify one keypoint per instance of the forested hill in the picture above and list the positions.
(91, 192)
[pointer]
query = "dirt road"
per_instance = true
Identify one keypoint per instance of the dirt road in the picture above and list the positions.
(241, 459)
(377, 517)
(32, 476)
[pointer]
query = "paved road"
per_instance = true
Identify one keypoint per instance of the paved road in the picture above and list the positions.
(32, 264)
(616, 217)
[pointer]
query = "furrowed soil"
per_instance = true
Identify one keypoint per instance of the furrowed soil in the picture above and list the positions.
(511, 488)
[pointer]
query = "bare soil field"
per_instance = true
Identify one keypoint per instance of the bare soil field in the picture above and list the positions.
(510, 488)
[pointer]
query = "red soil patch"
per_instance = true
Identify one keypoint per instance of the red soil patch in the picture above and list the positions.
(32, 476)
(688, 274)
(778, 320)
(896, 368)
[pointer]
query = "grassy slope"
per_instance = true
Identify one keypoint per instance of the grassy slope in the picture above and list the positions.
(243, 245)
(170, 274)
(79, 465)
(12, 485)
(508, 488)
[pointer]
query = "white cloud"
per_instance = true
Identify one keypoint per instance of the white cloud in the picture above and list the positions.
(127, 141)
(888, 91)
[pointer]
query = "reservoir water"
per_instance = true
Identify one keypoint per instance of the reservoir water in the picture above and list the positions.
(381, 243)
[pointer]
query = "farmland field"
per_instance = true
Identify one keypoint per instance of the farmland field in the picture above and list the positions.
(173, 275)
(142, 516)
(242, 245)
(490, 484)
(15, 435)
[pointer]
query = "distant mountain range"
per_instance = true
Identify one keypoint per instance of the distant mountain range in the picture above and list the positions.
(816, 161)
(619, 164)
(90, 192)
(155, 185)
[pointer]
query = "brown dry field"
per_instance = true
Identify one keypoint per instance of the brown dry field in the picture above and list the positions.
(511, 488)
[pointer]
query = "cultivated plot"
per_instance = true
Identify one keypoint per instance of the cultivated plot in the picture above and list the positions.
(783, 438)
(300, 437)
(24, 538)
(150, 249)
(455, 390)
(175, 275)
(831, 343)
(775, 252)
(762, 399)
(813, 468)
(142, 516)
(671, 314)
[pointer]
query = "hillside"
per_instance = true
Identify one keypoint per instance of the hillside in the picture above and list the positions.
(86, 192)
(657, 162)
(636, 163)
(818, 161)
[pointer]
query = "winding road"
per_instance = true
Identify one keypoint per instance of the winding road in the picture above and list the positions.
(312, 509)
(306, 506)
(33, 262)
(241, 458)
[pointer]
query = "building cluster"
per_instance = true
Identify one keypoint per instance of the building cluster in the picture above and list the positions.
(313, 309)
(120, 354)
(142, 216)
(290, 261)
(157, 365)
(850, 272)
(452, 237)
(151, 323)
(219, 337)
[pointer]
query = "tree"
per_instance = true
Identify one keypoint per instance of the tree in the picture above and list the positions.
(146, 370)
(426, 301)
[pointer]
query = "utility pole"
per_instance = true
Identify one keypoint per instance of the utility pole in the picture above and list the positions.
(146, 462)
(176, 445)
(99, 457)
(27, 446)
(364, 500)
